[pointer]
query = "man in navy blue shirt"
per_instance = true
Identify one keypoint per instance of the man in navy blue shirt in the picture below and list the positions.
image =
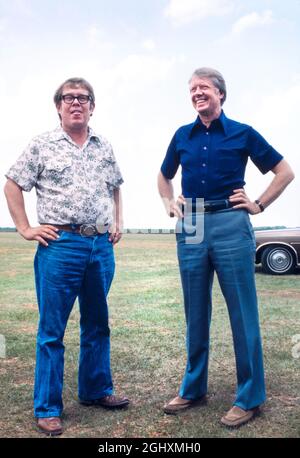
(213, 153)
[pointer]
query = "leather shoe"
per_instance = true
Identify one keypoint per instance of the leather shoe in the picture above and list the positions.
(51, 426)
(237, 417)
(109, 402)
(179, 404)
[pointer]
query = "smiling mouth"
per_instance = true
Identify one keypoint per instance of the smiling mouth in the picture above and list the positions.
(201, 100)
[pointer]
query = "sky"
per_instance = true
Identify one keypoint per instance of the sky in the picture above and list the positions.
(139, 56)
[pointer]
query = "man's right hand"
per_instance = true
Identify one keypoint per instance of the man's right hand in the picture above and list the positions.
(175, 207)
(40, 233)
(166, 192)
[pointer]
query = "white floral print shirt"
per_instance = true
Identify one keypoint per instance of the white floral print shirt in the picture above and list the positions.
(74, 185)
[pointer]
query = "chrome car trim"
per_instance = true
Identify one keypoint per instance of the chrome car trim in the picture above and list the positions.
(276, 243)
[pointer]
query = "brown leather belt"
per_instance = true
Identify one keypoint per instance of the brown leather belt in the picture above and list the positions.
(86, 230)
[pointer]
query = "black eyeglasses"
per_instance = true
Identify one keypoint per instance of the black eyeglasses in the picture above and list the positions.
(82, 98)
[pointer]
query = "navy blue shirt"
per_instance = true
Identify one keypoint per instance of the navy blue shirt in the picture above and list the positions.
(214, 159)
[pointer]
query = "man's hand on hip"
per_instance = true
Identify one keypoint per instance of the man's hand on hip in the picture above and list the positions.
(40, 233)
(240, 200)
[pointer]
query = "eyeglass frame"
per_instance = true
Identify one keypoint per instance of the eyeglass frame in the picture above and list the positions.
(89, 98)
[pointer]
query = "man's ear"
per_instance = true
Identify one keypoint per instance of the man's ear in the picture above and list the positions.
(58, 106)
(92, 107)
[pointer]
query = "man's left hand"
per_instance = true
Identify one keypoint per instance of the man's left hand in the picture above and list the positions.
(240, 200)
(114, 235)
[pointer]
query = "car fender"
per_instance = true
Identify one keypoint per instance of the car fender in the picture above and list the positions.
(261, 247)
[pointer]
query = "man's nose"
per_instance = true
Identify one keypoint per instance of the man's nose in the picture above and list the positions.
(75, 101)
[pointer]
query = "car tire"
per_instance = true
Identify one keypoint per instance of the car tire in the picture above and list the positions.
(278, 260)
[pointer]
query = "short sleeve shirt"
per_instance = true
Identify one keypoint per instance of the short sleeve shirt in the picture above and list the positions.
(213, 160)
(74, 185)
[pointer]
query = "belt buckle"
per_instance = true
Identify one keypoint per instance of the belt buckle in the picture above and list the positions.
(209, 207)
(87, 230)
(216, 205)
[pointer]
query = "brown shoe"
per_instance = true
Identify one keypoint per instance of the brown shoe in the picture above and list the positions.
(109, 402)
(179, 404)
(237, 416)
(51, 426)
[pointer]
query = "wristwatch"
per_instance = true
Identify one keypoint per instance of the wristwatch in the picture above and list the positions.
(258, 202)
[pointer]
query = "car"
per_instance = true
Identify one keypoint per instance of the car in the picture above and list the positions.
(278, 250)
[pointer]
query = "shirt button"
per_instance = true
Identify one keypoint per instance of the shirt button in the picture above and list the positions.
(203, 165)
(207, 133)
(202, 181)
(205, 148)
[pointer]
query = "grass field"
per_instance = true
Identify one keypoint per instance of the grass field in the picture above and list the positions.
(148, 349)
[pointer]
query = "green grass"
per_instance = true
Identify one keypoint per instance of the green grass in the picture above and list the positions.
(147, 349)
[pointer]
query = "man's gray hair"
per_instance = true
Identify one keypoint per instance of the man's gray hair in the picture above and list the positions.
(215, 77)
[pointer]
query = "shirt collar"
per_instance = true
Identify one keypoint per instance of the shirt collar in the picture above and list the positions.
(60, 134)
(220, 122)
(92, 134)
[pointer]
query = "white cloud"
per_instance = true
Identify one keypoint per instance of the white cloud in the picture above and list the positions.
(252, 20)
(183, 12)
(93, 32)
(141, 69)
(96, 39)
(281, 110)
(2, 24)
(94, 35)
(149, 44)
(275, 115)
(18, 7)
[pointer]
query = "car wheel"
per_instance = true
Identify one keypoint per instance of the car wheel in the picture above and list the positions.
(278, 260)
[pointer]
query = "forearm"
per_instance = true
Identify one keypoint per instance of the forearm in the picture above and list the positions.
(16, 205)
(166, 191)
(118, 209)
(283, 176)
(165, 188)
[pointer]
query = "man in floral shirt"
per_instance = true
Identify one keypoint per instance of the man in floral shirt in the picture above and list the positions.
(77, 182)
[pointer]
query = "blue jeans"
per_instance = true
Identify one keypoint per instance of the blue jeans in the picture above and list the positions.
(70, 267)
(227, 248)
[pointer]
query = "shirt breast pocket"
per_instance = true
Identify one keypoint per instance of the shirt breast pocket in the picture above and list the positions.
(105, 171)
(59, 172)
(229, 162)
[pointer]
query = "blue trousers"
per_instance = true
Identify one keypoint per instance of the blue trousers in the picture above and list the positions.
(227, 248)
(70, 267)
